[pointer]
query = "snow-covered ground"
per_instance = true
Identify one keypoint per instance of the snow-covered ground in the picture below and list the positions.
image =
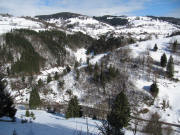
(168, 90)
(8, 23)
(138, 27)
(47, 123)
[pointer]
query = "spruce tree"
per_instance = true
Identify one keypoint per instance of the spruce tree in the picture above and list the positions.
(7, 107)
(163, 60)
(49, 79)
(120, 114)
(56, 76)
(77, 74)
(34, 100)
(155, 47)
(73, 109)
(154, 89)
(170, 67)
(96, 67)
(174, 46)
(76, 64)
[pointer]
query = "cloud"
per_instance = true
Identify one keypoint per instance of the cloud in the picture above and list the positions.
(87, 7)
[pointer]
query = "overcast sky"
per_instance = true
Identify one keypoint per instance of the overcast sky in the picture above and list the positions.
(92, 7)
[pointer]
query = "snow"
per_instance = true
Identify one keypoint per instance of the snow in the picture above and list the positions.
(139, 27)
(8, 23)
(80, 55)
(168, 90)
(97, 58)
(46, 124)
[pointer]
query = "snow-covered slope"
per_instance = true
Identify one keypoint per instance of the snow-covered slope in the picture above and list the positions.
(46, 124)
(7, 23)
(137, 27)
(86, 25)
(168, 89)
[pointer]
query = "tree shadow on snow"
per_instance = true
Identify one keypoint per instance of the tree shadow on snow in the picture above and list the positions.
(146, 88)
(37, 129)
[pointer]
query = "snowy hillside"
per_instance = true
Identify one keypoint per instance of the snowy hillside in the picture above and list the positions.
(168, 90)
(92, 60)
(7, 23)
(137, 27)
(46, 124)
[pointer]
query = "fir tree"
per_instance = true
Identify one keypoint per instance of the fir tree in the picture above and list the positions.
(23, 79)
(120, 114)
(68, 69)
(73, 109)
(88, 61)
(77, 74)
(154, 89)
(76, 64)
(56, 76)
(27, 113)
(96, 76)
(49, 79)
(7, 107)
(34, 100)
(8, 71)
(96, 67)
(170, 67)
(163, 60)
(40, 82)
(155, 47)
(174, 46)
(90, 68)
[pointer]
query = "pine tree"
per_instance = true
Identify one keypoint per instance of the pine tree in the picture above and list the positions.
(96, 67)
(170, 67)
(77, 74)
(40, 82)
(87, 61)
(27, 113)
(8, 71)
(154, 90)
(56, 76)
(49, 79)
(68, 69)
(34, 100)
(76, 64)
(155, 47)
(73, 109)
(90, 68)
(174, 46)
(163, 60)
(120, 114)
(23, 79)
(7, 107)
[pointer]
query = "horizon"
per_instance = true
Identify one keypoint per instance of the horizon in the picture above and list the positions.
(163, 8)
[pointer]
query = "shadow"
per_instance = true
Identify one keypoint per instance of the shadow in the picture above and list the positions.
(146, 88)
(7, 128)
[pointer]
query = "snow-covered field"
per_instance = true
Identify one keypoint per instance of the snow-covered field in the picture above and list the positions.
(47, 123)
(9, 23)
